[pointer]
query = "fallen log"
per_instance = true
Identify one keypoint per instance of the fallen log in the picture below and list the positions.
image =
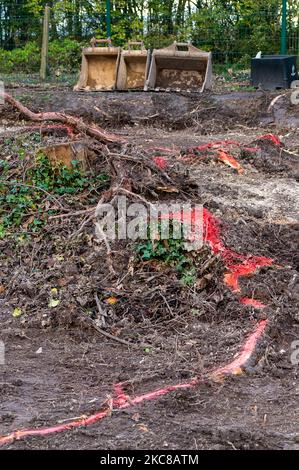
(91, 130)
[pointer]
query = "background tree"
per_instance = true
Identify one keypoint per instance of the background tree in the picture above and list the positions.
(233, 29)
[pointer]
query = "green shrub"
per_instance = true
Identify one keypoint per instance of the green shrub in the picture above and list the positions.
(64, 55)
(24, 60)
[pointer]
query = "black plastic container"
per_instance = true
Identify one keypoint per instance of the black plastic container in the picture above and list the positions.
(273, 71)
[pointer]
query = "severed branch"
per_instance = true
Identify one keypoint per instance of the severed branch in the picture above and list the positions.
(91, 130)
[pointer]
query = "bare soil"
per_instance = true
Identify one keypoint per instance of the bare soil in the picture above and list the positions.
(58, 367)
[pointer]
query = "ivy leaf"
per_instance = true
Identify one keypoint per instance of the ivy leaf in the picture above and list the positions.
(17, 312)
(53, 303)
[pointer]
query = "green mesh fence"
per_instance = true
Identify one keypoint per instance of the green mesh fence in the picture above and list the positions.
(233, 30)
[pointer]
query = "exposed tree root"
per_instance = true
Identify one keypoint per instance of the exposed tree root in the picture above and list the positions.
(91, 130)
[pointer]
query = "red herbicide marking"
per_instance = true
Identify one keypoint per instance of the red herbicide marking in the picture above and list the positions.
(274, 138)
(238, 265)
(252, 149)
(252, 302)
(235, 367)
(223, 143)
(229, 160)
(53, 429)
(161, 162)
(121, 397)
(222, 155)
(122, 401)
(160, 392)
(248, 266)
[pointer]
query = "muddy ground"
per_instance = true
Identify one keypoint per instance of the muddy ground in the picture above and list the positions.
(58, 367)
(204, 112)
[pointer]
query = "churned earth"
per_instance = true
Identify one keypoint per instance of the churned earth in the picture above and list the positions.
(59, 366)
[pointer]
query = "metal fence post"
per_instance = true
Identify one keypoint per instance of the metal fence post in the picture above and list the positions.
(283, 44)
(108, 18)
(45, 45)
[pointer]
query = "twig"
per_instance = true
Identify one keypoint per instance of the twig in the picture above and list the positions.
(232, 445)
(72, 214)
(90, 322)
(126, 191)
(291, 153)
(84, 223)
(199, 110)
(119, 340)
(102, 112)
(167, 304)
(115, 338)
(146, 118)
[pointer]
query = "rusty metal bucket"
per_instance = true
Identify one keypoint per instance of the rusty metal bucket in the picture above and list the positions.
(133, 67)
(180, 67)
(99, 66)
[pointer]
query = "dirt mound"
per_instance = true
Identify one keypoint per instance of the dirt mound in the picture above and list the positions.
(208, 112)
(271, 159)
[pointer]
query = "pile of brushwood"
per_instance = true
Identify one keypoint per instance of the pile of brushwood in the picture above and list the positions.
(56, 271)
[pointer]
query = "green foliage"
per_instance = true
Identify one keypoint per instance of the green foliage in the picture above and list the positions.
(64, 55)
(24, 201)
(26, 59)
(58, 178)
(171, 252)
(4, 166)
(16, 203)
(233, 29)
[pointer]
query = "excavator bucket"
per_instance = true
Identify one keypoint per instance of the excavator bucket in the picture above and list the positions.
(180, 67)
(133, 67)
(99, 66)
